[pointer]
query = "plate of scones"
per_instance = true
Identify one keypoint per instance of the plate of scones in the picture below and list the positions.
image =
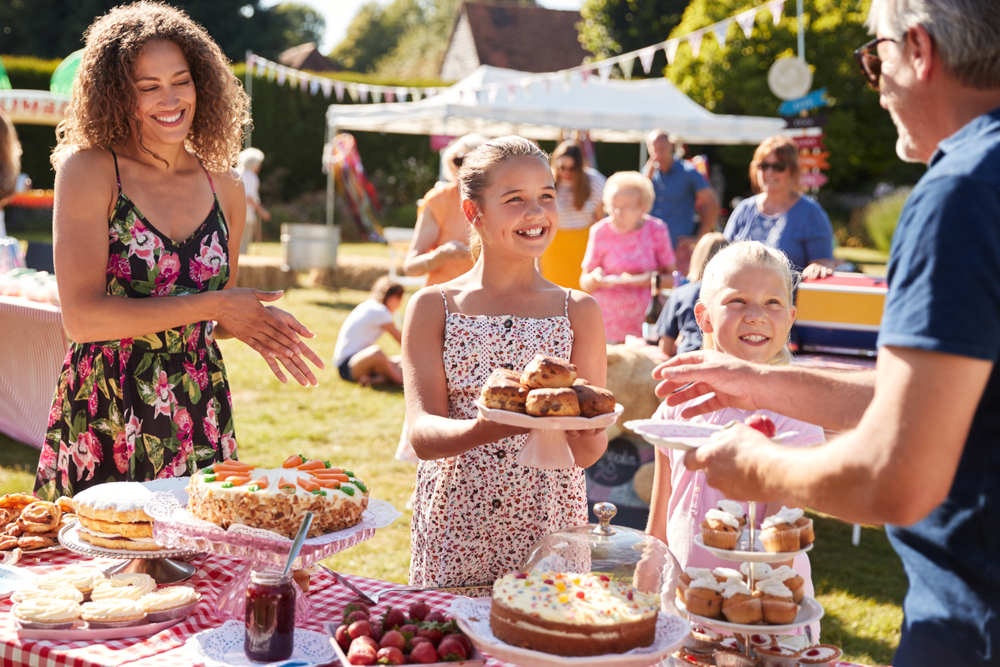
(547, 394)
(31, 525)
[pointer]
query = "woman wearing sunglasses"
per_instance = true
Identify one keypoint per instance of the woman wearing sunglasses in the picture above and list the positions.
(780, 217)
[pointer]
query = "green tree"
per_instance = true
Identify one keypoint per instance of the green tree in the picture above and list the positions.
(374, 32)
(733, 80)
(302, 23)
(611, 27)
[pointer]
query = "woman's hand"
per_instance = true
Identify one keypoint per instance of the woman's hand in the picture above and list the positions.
(816, 270)
(585, 433)
(452, 250)
(272, 332)
(592, 281)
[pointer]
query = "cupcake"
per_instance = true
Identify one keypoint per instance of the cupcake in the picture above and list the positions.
(703, 598)
(48, 590)
(720, 530)
(734, 508)
(806, 534)
(776, 602)
(724, 574)
(169, 603)
(728, 659)
(820, 654)
(702, 640)
(112, 613)
(778, 535)
(46, 613)
(739, 605)
(129, 585)
(792, 580)
(760, 571)
(778, 655)
(688, 575)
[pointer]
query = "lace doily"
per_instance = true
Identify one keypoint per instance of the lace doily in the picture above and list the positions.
(223, 647)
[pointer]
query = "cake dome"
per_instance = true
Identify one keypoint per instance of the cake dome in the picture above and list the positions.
(625, 555)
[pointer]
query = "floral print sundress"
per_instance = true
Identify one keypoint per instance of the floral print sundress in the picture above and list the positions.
(476, 515)
(145, 408)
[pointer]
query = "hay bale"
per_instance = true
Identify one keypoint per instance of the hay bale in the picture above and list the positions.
(264, 273)
(630, 379)
(352, 272)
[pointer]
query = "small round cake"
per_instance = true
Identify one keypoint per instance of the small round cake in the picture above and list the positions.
(111, 515)
(820, 654)
(168, 603)
(128, 585)
(112, 613)
(47, 590)
(83, 579)
(572, 614)
(46, 613)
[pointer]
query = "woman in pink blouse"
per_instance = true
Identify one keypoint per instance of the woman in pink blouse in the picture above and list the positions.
(623, 252)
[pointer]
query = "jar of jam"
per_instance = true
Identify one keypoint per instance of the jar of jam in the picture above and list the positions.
(270, 615)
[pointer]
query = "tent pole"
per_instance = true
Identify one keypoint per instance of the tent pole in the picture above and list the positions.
(802, 33)
(329, 177)
(643, 156)
(248, 86)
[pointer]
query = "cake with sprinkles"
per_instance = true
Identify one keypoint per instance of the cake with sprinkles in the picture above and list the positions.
(571, 614)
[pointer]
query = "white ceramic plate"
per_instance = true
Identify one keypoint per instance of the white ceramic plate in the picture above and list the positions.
(223, 647)
(473, 616)
(620, 279)
(681, 435)
(551, 423)
(83, 634)
(742, 555)
(809, 612)
(12, 579)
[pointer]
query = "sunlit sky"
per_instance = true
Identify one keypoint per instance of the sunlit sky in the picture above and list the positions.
(338, 14)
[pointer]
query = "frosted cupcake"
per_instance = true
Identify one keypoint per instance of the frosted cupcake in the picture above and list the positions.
(734, 508)
(760, 571)
(169, 603)
(739, 605)
(791, 579)
(797, 517)
(704, 598)
(778, 535)
(128, 585)
(47, 590)
(776, 602)
(46, 613)
(688, 575)
(720, 530)
(724, 574)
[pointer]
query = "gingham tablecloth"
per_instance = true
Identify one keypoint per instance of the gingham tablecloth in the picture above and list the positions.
(166, 649)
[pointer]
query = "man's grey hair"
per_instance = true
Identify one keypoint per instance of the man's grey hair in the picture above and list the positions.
(250, 158)
(965, 32)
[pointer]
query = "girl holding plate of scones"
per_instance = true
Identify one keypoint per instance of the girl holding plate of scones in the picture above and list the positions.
(153, 129)
(476, 510)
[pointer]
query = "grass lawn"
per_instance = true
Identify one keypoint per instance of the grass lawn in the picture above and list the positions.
(860, 587)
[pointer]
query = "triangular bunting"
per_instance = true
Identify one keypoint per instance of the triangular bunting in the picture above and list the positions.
(352, 90)
(719, 30)
(327, 87)
(492, 94)
(746, 21)
(584, 76)
(401, 94)
(363, 90)
(776, 9)
(376, 95)
(511, 91)
(646, 58)
(282, 74)
(339, 87)
(567, 82)
(694, 39)
(627, 66)
(526, 88)
(304, 84)
(430, 92)
(416, 94)
(670, 48)
(389, 95)
(251, 61)
(604, 70)
(547, 84)
(272, 72)
(314, 86)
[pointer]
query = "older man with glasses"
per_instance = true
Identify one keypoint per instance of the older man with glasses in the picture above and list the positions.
(921, 443)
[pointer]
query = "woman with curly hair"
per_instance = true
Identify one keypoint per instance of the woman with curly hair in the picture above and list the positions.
(147, 225)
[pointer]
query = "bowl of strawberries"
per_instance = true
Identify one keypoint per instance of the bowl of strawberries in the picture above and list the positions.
(397, 635)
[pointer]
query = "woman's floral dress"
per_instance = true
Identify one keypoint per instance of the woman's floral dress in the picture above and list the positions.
(476, 515)
(144, 408)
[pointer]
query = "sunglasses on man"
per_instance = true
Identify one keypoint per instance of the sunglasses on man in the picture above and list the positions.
(870, 62)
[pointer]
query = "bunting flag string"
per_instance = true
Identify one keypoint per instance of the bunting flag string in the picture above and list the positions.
(360, 92)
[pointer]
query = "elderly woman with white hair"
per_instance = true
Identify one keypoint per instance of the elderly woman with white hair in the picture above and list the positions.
(623, 252)
(440, 247)
(248, 165)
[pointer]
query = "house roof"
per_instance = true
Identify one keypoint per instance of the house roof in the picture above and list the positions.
(525, 38)
(307, 57)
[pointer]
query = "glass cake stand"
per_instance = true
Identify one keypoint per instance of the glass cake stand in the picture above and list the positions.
(174, 527)
(163, 565)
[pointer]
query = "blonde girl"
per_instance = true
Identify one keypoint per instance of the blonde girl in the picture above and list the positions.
(476, 511)
(745, 310)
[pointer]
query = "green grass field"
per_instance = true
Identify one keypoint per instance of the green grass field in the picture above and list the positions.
(860, 587)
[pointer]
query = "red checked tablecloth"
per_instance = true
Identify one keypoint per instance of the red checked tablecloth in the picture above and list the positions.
(32, 349)
(166, 649)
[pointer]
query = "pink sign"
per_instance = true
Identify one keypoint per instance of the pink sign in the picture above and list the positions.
(812, 141)
(813, 180)
(440, 141)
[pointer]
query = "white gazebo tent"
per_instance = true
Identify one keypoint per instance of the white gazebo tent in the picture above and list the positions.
(493, 101)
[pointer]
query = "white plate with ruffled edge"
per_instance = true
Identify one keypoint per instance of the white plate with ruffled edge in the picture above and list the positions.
(223, 647)
(809, 612)
(12, 579)
(742, 555)
(550, 423)
(682, 435)
(473, 616)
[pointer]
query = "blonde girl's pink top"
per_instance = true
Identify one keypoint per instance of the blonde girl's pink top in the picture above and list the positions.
(639, 251)
(691, 497)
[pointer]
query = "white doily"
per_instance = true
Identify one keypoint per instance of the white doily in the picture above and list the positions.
(223, 647)
(473, 615)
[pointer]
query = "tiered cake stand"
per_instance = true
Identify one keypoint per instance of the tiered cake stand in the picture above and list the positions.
(165, 566)
(175, 528)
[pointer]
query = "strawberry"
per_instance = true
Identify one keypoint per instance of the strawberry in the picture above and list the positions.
(393, 618)
(357, 606)
(343, 639)
(761, 423)
(461, 639)
(359, 629)
(393, 639)
(377, 631)
(390, 656)
(409, 628)
(366, 641)
(451, 650)
(423, 653)
(419, 610)
(361, 654)
(356, 615)
(436, 617)
(432, 631)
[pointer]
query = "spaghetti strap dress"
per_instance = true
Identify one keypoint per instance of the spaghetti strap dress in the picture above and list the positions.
(154, 406)
(476, 515)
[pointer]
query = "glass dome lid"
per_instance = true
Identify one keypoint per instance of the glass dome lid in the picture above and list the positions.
(625, 555)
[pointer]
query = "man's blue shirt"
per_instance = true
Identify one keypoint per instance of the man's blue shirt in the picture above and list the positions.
(675, 194)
